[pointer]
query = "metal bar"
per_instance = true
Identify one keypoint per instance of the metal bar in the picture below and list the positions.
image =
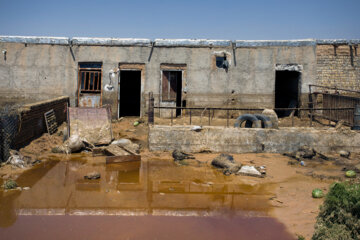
(190, 116)
(227, 118)
(151, 109)
(171, 117)
(92, 77)
(334, 88)
(209, 116)
(255, 109)
(98, 81)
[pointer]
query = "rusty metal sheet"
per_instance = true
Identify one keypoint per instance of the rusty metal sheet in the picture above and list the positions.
(93, 124)
(89, 100)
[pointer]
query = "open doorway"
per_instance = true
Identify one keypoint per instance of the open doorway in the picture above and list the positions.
(286, 91)
(130, 93)
(172, 87)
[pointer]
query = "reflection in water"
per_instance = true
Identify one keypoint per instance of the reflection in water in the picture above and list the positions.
(151, 188)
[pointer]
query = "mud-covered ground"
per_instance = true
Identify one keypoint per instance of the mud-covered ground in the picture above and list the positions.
(285, 192)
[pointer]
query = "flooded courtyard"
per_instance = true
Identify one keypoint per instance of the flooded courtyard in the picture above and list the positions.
(158, 198)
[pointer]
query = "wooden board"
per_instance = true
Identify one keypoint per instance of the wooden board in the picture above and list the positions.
(120, 159)
(50, 120)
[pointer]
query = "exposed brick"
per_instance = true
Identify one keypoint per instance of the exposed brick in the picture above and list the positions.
(32, 121)
(337, 70)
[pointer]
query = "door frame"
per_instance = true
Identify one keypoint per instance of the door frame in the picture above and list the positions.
(173, 67)
(132, 67)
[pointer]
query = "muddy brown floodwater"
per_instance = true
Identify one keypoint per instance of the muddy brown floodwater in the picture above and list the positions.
(154, 199)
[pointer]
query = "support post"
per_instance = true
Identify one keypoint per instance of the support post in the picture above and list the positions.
(151, 109)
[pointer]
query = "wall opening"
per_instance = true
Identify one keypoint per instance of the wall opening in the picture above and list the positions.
(172, 87)
(130, 93)
(89, 84)
(287, 91)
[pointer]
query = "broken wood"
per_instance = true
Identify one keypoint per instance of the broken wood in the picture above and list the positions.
(120, 159)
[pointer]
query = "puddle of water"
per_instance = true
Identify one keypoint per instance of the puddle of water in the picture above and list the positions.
(145, 227)
(154, 199)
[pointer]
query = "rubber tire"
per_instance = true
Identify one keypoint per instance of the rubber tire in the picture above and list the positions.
(248, 117)
(265, 120)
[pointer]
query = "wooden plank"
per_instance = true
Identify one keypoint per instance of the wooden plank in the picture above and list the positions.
(125, 158)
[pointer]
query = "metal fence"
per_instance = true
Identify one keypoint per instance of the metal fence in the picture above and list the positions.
(333, 107)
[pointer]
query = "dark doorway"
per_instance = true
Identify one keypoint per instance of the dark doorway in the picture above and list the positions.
(172, 87)
(286, 91)
(130, 93)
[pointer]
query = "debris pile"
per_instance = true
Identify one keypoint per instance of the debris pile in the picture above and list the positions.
(179, 156)
(92, 176)
(226, 163)
(229, 166)
(17, 160)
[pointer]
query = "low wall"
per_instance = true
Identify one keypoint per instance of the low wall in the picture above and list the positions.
(32, 121)
(245, 140)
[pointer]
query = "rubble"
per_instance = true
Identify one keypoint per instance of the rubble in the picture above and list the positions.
(249, 171)
(179, 156)
(226, 162)
(17, 160)
(92, 175)
(127, 144)
(72, 145)
(345, 154)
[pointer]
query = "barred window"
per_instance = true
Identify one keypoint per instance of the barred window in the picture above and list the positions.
(90, 77)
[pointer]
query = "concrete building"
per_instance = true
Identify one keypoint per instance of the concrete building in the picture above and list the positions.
(179, 72)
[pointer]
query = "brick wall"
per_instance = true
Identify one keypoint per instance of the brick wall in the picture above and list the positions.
(32, 121)
(337, 70)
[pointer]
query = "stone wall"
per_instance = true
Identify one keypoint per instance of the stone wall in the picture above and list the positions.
(250, 140)
(336, 67)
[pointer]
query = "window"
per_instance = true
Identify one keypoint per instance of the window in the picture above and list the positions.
(170, 82)
(221, 62)
(90, 77)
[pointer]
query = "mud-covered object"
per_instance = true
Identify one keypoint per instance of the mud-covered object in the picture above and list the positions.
(273, 117)
(306, 152)
(345, 154)
(16, 159)
(179, 156)
(92, 175)
(72, 145)
(127, 144)
(227, 163)
(250, 171)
